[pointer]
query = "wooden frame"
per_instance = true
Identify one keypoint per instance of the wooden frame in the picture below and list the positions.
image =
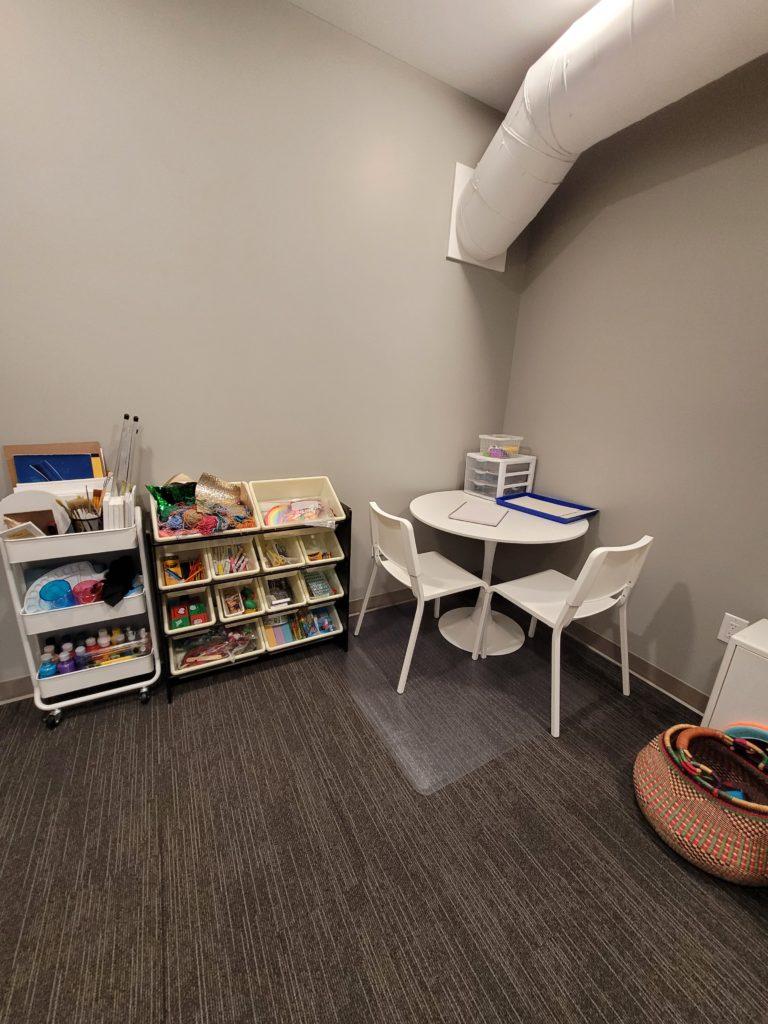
(10, 451)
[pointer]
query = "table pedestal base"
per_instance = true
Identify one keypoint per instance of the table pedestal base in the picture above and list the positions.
(459, 627)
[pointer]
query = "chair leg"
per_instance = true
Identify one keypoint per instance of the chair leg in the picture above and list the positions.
(367, 598)
(532, 627)
(624, 638)
(437, 607)
(554, 726)
(480, 635)
(411, 644)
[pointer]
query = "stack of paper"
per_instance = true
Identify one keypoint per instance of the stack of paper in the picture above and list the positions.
(482, 513)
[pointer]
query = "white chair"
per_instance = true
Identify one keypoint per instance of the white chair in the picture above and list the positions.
(430, 576)
(556, 599)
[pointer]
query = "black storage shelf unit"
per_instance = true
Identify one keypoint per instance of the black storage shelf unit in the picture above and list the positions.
(343, 533)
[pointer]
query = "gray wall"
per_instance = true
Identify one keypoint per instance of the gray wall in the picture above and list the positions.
(640, 371)
(231, 218)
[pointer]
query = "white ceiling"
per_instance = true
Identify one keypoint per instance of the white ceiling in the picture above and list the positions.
(483, 47)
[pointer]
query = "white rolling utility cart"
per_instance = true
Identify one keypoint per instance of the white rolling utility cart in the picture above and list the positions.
(134, 669)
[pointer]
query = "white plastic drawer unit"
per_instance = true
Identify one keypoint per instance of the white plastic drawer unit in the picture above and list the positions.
(740, 693)
(486, 477)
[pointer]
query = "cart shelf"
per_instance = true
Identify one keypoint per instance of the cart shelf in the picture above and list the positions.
(82, 615)
(70, 546)
(100, 675)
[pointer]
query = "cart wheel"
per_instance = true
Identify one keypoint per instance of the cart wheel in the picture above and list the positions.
(53, 718)
(144, 695)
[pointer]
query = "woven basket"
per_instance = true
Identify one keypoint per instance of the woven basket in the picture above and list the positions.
(678, 787)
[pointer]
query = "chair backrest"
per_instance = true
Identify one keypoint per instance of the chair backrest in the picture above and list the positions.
(610, 573)
(393, 540)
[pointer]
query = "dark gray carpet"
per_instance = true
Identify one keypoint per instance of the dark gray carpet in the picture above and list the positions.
(252, 853)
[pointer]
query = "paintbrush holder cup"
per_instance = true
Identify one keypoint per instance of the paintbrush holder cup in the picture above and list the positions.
(87, 524)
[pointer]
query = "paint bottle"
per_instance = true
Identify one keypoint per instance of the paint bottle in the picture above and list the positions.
(47, 667)
(90, 644)
(130, 634)
(67, 648)
(66, 663)
(82, 659)
(144, 641)
(49, 649)
(103, 640)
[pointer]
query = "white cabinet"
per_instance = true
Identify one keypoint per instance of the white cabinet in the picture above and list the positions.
(740, 693)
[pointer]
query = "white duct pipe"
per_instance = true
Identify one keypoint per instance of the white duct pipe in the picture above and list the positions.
(620, 62)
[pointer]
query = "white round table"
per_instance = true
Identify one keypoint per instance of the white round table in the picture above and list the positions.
(459, 626)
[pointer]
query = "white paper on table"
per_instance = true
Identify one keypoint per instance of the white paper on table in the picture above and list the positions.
(482, 513)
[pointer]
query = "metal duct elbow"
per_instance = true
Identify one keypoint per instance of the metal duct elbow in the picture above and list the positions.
(620, 62)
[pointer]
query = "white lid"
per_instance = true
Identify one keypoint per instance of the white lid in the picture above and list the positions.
(80, 649)
(67, 647)
(753, 637)
(47, 657)
(90, 640)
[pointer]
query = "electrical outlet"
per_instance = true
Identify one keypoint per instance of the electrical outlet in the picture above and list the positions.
(731, 624)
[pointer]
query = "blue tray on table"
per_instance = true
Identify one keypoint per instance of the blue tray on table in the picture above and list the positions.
(585, 511)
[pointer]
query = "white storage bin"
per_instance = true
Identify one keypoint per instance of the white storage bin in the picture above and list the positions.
(225, 640)
(277, 642)
(223, 557)
(321, 547)
(273, 546)
(271, 497)
(289, 582)
(186, 555)
(245, 497)
(492, 478)
(199, 595)
(225, 590)
(178, 649)
(507, 445)
(332, 582)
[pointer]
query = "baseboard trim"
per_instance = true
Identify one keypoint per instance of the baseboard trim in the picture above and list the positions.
(656, 677)
(15, 689)
(673, 687)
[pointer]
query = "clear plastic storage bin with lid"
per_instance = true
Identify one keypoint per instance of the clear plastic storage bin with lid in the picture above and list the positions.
(500, 446)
